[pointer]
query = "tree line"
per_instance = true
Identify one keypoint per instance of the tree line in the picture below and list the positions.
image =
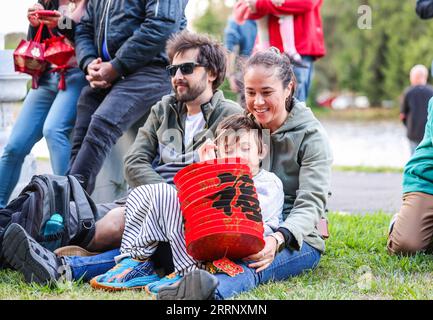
(373, 60)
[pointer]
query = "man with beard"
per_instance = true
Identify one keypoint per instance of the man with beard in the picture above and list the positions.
(175, 128)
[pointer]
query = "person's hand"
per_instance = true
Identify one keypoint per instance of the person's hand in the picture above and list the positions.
(264, 258)
(233, 85)
(107, 72)
(34, 22)
(207, 150)
(251, 5)
(277, 3)
(99, 74)
(51, 22)
(93, 75)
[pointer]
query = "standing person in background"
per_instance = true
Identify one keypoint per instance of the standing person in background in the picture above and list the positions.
(239, 40)
(413, 111)
(309, 39)
(47, 111)
(424, 9)
(120, 46)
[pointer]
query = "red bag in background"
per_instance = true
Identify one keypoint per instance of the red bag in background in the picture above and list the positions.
(59, 51)
(29, 57)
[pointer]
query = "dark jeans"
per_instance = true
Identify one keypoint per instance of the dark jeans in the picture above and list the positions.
(103, 116)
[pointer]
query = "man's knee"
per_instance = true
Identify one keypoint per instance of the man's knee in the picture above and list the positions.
(109, 230)
(405, 245)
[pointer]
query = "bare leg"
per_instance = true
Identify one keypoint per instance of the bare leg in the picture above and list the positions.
(108, 231)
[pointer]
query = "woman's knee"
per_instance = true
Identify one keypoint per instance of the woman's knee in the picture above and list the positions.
(15, 151)
(54, 134)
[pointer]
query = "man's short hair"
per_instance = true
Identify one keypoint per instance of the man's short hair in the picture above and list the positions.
(212, 55)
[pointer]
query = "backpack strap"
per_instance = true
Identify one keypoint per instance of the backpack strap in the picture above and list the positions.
(85, 209)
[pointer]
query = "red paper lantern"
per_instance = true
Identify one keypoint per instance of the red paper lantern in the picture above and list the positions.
(221, 209)
(59, 51)
(29, 57)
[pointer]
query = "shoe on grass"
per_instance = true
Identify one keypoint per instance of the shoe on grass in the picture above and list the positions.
(154, 287)
(128, 274)
(196, 285)
(36, 263)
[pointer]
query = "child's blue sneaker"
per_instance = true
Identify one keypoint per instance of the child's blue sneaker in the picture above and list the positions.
(170, 279)
(126, 275)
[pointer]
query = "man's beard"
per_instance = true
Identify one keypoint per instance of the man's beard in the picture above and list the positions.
(192, 92)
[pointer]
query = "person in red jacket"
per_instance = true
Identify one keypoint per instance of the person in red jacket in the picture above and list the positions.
(309, 38)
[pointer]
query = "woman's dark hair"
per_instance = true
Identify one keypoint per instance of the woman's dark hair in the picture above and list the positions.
(237, 122)
(273, 58)
(212, 54)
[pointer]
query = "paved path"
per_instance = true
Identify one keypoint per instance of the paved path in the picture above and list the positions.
(357, 192)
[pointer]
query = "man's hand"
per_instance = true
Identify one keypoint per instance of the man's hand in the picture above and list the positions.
(101, 74)
(34, 21)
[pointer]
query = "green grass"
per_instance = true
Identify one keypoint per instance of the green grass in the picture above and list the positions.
(367, 169)
(356, 265)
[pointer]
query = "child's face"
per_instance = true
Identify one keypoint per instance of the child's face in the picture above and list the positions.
(245, 147)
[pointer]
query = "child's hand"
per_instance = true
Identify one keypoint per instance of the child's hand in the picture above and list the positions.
(277, 3)
(207, 150)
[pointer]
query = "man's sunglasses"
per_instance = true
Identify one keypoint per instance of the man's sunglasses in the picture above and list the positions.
(185, 68)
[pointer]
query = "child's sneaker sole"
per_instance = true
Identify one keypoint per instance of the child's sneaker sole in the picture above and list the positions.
(196, 285)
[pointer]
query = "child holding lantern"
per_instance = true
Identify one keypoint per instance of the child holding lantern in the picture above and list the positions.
(153, 212)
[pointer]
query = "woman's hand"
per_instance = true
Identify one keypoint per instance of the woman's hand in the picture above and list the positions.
(277, 3)
(263, 258)
(51, 22)
(207, 150)
(251, 5)
(33, 19)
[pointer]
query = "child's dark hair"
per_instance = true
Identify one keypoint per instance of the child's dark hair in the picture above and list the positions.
(238, 122)
(273, 58)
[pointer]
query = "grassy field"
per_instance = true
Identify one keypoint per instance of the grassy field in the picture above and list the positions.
(355, 266)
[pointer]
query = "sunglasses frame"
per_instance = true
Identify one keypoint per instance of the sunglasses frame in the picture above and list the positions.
(172, 68)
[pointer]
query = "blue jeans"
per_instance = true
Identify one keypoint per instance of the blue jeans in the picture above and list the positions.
(286, 264)
(86, 268)
(304, 77)
(46, 112)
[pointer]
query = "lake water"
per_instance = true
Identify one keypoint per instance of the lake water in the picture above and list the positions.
(373, 143)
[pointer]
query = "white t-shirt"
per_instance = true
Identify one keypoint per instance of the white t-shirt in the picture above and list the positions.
(270, 193)
(193, 125)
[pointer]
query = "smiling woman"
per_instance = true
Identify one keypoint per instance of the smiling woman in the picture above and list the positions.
(301, 157)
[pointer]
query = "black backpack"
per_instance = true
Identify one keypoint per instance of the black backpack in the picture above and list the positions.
(48, 194)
